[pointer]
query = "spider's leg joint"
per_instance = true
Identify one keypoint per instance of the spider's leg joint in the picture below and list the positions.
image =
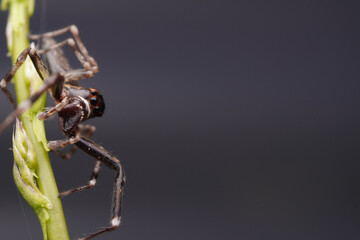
(74, 29)
(3, 83)
(92, 182)
(115, 222)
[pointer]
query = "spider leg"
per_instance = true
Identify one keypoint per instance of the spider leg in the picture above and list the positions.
(109, 160)
(40, 68)
(49, 112)
(56, 144)
(71, 42)
(116, 209)
(54, 82)
(90, 184)
(87, 131)
(74, 75)
(75, 32)
(25, 105)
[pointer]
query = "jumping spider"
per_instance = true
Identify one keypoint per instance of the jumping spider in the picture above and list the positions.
(73, 103)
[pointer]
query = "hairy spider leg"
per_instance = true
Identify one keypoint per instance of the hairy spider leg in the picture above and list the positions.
(86, 130)
(69, 73)
(75, 32)
(41, 69)
(56, 144)
(54, 82)
(112, 162)
(89, 185)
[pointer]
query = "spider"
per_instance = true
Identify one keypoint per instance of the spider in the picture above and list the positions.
(74, 105)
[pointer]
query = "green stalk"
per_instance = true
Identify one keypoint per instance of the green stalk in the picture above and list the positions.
(26, 82)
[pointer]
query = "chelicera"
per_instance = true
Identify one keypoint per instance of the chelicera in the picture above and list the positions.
(74, 105)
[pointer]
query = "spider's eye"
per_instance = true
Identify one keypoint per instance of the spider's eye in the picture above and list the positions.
(98, 106)
(93, 92)
(93, 101)
(98, 111)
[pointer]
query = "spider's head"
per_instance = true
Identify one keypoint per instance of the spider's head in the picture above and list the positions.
(96, 102)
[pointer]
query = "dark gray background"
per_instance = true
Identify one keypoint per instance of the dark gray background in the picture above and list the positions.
(233, 120)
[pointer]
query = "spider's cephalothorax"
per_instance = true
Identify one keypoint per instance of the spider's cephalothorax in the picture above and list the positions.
(83, 104)
(74, 105)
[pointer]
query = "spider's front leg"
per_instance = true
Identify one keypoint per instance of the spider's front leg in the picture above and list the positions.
(55, 82)
(39, 66)
(49, 112)
(86, 130)
(25, 105)
(57, 144)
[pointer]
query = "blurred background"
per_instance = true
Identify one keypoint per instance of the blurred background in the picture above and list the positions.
(232, 119)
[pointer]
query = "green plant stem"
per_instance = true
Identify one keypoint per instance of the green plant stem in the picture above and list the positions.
(20, 11)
